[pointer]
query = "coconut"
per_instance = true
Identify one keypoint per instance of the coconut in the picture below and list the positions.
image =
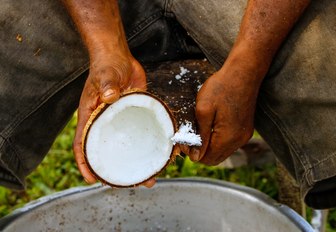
(129, 141)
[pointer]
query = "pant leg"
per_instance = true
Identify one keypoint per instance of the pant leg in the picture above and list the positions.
(154, 35)
(297, 102)
(41, 58)
(213, 24)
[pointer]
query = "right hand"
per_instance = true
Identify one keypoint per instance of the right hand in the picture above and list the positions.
(113, 69)
(110, 75)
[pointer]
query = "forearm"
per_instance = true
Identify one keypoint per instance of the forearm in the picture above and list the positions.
(99, 24)
(265, 25)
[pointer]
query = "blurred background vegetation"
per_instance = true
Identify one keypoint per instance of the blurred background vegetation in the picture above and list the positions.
(58, 171)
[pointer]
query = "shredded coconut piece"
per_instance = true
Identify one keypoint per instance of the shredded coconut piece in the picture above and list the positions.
(187, 136)
(183, 71)
(199, 87)
(170, 82)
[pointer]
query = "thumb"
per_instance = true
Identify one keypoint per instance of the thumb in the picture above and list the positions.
(110, 94)
(109, 88)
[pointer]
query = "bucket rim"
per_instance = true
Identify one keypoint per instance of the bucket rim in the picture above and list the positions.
(293, 216)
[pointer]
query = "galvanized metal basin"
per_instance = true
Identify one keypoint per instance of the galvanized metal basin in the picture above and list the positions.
(172, 205)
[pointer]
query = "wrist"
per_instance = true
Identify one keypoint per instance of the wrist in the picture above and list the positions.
(243, 71)
(246, 66)
(100, 26)
(104, 47)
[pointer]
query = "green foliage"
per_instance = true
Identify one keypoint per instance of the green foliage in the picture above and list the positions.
(331, 226)
(259, 178)
(57, 172)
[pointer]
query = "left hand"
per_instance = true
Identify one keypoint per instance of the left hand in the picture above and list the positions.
(226, 103)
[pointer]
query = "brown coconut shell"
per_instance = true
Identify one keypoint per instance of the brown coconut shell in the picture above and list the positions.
(99, 110)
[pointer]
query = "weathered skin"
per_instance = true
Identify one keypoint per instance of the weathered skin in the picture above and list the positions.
(225, 104)
(112, 67)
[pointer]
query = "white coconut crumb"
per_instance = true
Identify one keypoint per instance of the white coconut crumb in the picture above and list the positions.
(195, 71)
(199, 87)
(170, 82)
(187, 136)
(183, 71)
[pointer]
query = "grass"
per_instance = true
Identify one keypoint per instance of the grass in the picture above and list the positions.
(58, 172)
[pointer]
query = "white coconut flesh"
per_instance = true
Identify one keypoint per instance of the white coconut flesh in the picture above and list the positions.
(130, 141)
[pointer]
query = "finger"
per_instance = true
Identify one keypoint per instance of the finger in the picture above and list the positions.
(149, 183)
(110, 94)
(195, 154)
(222, 143)
(108, 83)
(205, 114)
(84, 112)
(217, 150)
(138, 77)
(185, 149)
(82, 166)
(109, 90)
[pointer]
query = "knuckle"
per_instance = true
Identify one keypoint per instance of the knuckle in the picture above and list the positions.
(113, 78)
(240, 137)
(203, 109)
(209, 162)
(110, 76)
(246, 135)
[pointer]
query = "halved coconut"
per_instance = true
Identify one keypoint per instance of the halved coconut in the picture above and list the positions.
(129, 142)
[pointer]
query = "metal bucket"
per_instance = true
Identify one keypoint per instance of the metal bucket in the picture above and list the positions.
(172, 205)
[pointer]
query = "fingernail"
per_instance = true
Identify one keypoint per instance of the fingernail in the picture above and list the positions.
(109, 93)
(194, 154)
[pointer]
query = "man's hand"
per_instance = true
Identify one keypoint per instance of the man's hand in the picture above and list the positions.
(226, 103)
(225, 109)
(113, 69)
(109, 77)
